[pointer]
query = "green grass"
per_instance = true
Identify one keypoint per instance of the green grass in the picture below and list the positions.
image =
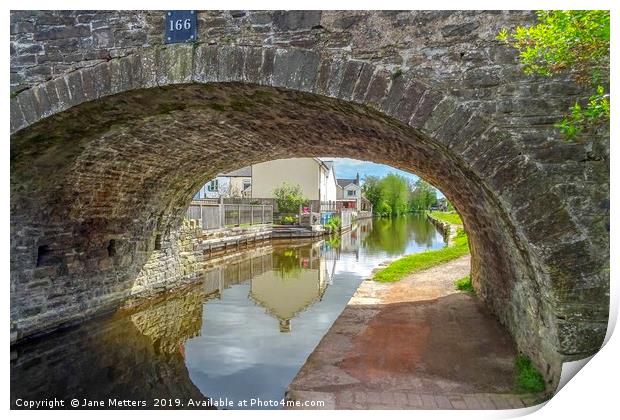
(416, 262)
(529, 379)
(464, 285)
(450, 217)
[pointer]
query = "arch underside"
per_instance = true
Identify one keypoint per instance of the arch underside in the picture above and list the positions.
(125, 167)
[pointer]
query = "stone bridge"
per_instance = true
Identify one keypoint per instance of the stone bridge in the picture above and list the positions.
(112, 132)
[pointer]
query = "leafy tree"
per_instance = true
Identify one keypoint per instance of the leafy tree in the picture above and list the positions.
(395, 193)
(289, 198)
(572, 41)
(383, 209)
(423, 196)
(372, 191)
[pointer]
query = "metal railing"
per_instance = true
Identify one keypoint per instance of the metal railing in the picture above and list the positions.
(218, 215)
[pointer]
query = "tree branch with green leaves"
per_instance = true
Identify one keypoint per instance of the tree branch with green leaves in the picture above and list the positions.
(574, 42)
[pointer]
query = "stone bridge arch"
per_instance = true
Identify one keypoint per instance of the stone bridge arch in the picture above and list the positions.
(115, 150)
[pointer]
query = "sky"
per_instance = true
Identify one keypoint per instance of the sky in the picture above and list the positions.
(348, 168)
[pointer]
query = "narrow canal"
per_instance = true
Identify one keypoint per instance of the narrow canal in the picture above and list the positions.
(242, 334)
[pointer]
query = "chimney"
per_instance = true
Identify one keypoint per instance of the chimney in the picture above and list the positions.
(357, 179)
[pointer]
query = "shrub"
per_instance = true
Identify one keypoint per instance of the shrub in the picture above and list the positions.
(334, 223)
(529, 379)
(289, 198)
(384, 209)
(464, 285)
(287, 220)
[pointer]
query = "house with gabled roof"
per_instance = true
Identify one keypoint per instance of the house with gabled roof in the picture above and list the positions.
(349, 194)
(234, 184)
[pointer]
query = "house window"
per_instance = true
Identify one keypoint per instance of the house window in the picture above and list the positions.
(247, 184)
(213, 185)
(350, 193)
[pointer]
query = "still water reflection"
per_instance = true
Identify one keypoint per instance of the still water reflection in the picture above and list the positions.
(244, 333)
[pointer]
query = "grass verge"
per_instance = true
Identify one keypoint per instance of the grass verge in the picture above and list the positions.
(529, 379)
(464, 285)
(450, 217)
(416, 262)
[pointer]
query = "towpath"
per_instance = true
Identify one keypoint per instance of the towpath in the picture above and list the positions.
(414, 344)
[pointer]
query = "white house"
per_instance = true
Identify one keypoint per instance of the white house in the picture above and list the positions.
(315, 177)
(350, 194)
(231, 184)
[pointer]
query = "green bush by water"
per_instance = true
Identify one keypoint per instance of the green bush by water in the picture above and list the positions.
(288, 220)
(334, 223)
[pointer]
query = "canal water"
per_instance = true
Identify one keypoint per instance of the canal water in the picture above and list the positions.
(242, 334)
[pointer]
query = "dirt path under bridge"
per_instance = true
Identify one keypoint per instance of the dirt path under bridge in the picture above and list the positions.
(414, 344)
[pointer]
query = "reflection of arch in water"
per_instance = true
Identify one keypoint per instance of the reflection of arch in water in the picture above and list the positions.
(170, 323)
(136, 355)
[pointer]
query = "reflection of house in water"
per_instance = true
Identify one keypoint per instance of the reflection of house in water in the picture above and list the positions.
(351, 241)
(298, 279)
(285, 280)
(237, 268)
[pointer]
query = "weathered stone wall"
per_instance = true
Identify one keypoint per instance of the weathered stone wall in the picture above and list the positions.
(454, 50)
(429, 92)
(178, 261)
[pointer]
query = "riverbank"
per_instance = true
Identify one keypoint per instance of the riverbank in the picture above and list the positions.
(458, 246)
(415, 344)
(448, 223)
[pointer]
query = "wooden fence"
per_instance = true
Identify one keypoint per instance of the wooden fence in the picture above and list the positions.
(218, 215)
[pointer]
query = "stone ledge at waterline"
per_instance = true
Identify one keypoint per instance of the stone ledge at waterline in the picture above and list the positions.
(449, 230)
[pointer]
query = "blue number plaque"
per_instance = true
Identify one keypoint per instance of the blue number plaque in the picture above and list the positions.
(180, 26)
